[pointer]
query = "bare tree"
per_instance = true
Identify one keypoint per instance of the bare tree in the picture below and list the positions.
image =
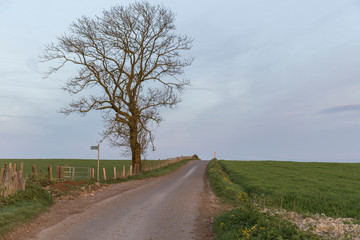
(131, 59)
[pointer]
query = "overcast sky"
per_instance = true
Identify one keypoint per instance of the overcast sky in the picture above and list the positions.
(273, 79)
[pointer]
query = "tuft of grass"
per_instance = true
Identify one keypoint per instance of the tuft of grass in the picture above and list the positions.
(246, 221)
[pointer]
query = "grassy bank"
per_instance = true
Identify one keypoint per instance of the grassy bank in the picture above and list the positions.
(328, 188)
(246, 221)
(27, 204)
(22, 206)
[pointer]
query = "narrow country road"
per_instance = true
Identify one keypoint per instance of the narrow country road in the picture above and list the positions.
(162, 208)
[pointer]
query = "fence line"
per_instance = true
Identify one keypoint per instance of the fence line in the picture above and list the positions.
(11, 178)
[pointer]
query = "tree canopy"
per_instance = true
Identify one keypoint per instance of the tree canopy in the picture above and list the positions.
(132, 60)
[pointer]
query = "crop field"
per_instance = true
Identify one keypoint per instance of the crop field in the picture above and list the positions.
(43, 164)
(329, 188)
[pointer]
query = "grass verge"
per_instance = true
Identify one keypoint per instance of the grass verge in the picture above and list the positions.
(22, 206)
(247, 221)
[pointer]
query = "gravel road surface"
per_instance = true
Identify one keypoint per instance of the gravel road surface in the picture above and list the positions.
(175, 206)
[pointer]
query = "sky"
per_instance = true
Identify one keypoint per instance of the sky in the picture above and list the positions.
(271, 80)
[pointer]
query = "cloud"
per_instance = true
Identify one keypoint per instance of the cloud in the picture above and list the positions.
(341, 108)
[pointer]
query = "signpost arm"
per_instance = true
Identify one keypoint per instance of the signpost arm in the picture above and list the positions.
(98, 163)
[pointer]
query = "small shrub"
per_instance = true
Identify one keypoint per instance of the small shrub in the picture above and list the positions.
(196, 157)
(33, 192)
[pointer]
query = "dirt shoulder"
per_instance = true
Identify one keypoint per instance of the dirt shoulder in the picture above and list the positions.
(210, 206)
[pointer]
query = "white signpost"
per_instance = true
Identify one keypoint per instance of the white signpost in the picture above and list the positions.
(98, 163)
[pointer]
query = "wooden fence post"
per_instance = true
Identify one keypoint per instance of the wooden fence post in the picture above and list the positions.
(50, 173)
(104, 171)
(15, 167)
(21, 180)
(4, 173)
(124, 172)
(22, 167)
(57, 172)
(15, 182)
(130, 172)
(92, 173)
(61, 171)
(114, 172)
(73, 169)
(10, 177)
(34, 173)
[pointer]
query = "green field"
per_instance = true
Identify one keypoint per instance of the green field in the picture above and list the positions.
(329, 188)
(42, 165)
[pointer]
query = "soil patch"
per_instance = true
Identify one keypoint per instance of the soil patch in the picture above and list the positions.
(72, 189)
(326, 227)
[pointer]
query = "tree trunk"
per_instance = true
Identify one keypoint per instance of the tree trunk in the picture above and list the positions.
(135, 150)
(136, 159)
